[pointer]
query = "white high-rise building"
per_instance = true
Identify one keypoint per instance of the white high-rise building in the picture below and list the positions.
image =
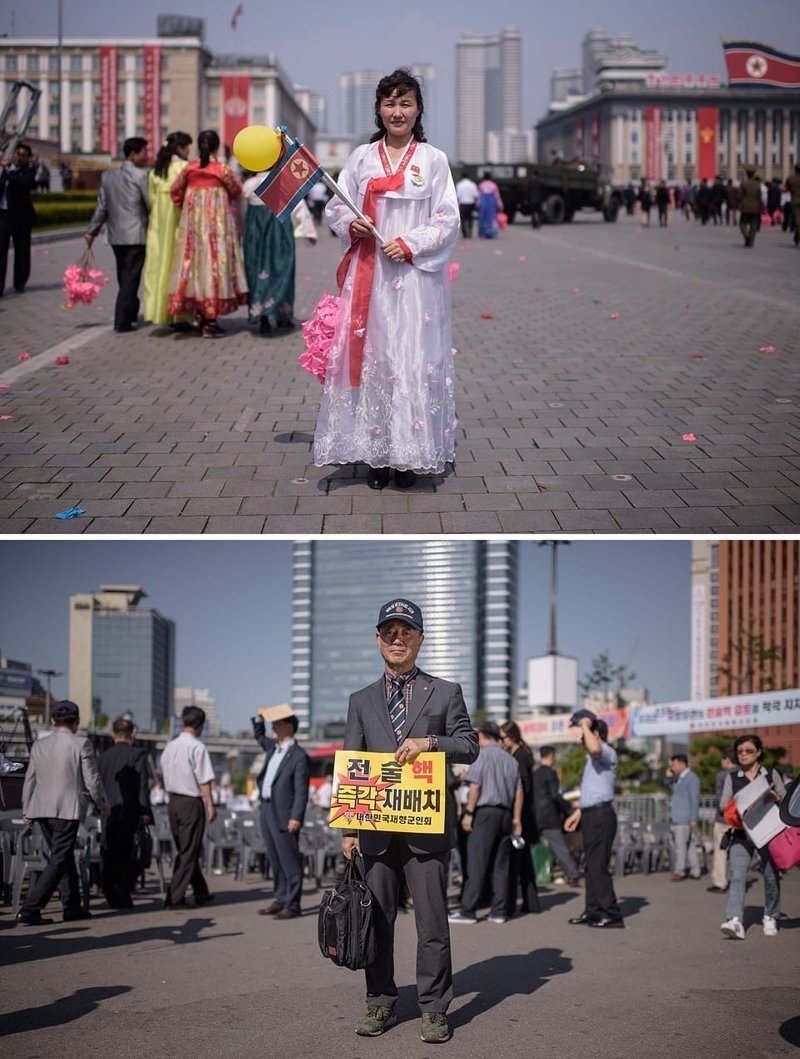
(426, 75)
(357, 103)
(489, 97)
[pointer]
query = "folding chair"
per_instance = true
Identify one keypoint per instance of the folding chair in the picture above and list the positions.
(251, 845)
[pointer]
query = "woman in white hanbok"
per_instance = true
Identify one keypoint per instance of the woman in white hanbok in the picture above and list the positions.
(388, 398)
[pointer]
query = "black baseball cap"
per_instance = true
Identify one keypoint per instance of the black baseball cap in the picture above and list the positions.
(579, 715)
(65, 712)
(400, 610)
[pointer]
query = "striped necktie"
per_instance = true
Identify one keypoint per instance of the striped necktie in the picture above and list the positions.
(397, 707)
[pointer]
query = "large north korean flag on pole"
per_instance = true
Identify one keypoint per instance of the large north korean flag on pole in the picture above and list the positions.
(752, 64)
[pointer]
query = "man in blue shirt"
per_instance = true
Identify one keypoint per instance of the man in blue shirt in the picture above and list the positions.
(598, 822)
(684, 809)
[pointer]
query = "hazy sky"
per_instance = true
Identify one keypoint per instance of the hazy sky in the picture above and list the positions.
(231, 601)
(314, 45)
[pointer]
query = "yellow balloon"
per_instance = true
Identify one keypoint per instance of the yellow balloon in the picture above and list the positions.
(257, 147)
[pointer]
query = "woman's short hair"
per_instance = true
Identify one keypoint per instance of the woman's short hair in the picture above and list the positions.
(754, 739)
(398, 83)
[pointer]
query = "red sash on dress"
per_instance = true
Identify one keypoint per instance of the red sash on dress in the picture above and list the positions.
(365, 265)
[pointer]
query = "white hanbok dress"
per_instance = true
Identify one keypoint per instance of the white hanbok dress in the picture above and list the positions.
(388, 396)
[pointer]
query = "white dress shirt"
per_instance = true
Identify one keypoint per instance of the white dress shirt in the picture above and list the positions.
(185, 764)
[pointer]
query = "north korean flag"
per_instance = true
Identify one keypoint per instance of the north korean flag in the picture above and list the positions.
(752, 64)
(290, 180)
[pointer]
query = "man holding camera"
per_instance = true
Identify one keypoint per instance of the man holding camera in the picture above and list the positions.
(598, 822)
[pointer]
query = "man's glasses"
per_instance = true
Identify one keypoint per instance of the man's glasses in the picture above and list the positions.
(397, 632)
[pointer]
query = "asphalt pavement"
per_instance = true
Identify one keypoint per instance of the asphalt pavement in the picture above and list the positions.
(224, 983)
(608, 379)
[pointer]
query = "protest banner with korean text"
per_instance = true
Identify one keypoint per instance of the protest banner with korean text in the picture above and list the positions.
(732, 713)
(372, 791)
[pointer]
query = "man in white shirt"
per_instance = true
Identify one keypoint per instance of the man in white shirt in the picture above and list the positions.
(467, 195)
(188, 776)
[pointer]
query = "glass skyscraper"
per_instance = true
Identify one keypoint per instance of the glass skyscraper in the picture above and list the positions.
(467, 591)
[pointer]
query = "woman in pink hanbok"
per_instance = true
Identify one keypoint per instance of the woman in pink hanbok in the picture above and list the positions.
(388, 398)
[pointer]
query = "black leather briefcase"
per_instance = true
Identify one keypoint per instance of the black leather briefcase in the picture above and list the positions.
(346, 928)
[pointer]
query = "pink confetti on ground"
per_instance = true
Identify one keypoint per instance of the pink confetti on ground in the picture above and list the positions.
(62, 360)
(767, 349)
(689, 437)
(4, 385)
(487, 316)
(576, 290)
(613, 316)
(5, 418)
(697, 356)
(522, 257)
(24, 356)
(454, 270)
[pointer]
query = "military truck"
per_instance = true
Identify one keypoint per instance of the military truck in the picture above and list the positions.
(568, 187)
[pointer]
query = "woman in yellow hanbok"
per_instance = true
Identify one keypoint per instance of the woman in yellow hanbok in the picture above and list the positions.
(163, 227)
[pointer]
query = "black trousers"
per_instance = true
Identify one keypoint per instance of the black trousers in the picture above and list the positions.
(522, 877)
(599, 828)
(119, 870)
(467, 212)
(60, 872)
(426, 875)
(283, 854)
(749, 224)
(489, 849)
(130, 261)
(20, 234)
(187, 820)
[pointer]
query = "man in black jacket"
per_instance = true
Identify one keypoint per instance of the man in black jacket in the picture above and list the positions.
(16, 215)
(283, 791)
(551, 809)
(123, 770)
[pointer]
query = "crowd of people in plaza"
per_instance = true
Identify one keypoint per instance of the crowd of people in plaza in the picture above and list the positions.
(752, 203)
(500, 803)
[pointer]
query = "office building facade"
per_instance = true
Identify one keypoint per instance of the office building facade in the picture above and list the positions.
(746, 623)
(202, 697)
(121, 657)
(467, 591)
(489, 97)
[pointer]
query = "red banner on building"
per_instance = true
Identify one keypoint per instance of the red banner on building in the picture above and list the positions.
(579, 138)
(235, 106)
(751, 64)
(109, 58)
(652, 121)
(152, 99)
(595, 131)
(706, 143)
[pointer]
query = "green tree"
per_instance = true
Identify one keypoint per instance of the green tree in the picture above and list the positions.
(101, 722)
(750, 665)
(603, 675)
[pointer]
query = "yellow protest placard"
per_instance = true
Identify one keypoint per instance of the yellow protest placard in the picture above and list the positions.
(372, 791)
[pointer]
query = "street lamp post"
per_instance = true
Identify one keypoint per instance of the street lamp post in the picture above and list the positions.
(48, 674)
(554, 546)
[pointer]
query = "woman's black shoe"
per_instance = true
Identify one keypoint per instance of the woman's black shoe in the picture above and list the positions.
(378, 477)
(404, 479)
(264, 327)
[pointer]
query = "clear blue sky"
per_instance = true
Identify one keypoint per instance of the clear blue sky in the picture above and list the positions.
(314, 46)
(231, 601)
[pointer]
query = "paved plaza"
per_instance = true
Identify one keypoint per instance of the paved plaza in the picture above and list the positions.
(609, 380)
(224, 983)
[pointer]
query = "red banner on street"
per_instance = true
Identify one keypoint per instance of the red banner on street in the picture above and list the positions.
(652, 119)
(541, 731)
(109, 58)
(152, 99)
(579, 138)
(235, 105)
(750, 63)
(706, 143)
(595, 129)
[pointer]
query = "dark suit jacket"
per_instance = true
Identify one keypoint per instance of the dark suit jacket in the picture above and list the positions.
(290, 786)
(19, 184)
(437, 708)
(549, 806)
(123, 770)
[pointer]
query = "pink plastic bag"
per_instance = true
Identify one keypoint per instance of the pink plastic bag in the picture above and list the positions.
(785, 848)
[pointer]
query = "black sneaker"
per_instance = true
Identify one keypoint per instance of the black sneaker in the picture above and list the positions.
(376, 1021)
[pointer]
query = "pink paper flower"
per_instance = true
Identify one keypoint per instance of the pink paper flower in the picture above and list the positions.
(82, 284)
(318, 335)
(614, 316)
(454, 270)
(689, 437)
(24, 356)
(767, 349)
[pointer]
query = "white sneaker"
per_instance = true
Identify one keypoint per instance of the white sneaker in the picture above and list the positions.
(770, 927)
(732, 928)
(500, 920)
(459, 917)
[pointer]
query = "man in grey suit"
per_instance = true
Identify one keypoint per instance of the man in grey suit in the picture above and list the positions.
(684, 811)
(408, 712)
(61, 775)
(283, 794)
(124, 204)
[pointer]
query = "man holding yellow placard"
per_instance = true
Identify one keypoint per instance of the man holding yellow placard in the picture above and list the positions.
(416, 719)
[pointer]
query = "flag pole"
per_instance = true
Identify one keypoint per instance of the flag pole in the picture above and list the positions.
(332, 186)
